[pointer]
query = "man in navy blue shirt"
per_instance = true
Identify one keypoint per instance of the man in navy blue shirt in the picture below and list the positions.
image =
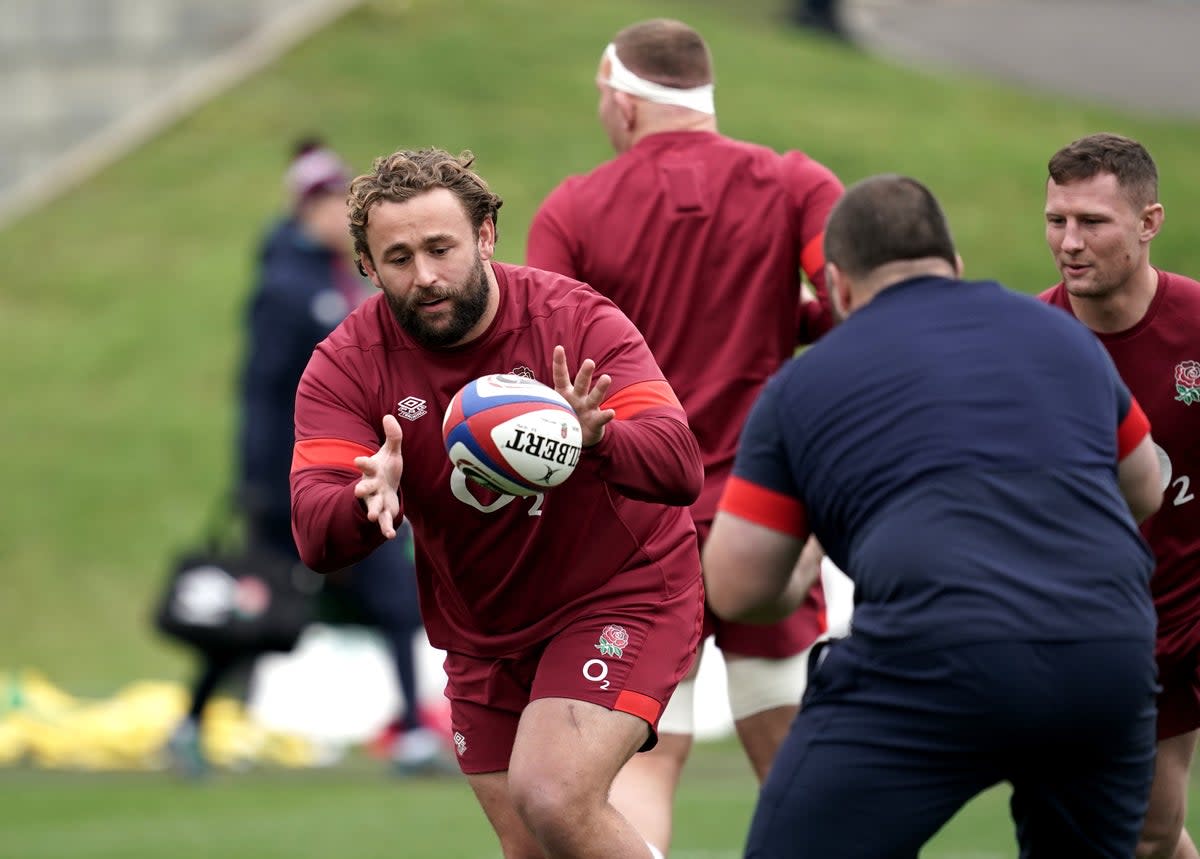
(973, 462)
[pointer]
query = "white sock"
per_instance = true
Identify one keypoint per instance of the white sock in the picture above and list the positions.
(655, 853)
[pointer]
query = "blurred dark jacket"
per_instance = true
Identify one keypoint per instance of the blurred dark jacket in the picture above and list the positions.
(303, 290)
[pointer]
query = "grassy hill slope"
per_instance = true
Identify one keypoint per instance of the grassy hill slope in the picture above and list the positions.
(120, 302)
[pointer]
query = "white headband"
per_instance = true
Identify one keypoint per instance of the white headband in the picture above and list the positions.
(698, 98)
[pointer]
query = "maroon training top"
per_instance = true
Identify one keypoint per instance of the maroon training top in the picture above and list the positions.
(1159, 359)
(499, 573)
(700, 239)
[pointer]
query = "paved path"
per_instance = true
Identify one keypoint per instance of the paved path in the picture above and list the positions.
(1142, 56)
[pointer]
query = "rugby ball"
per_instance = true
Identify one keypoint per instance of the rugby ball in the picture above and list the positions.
(511, 434)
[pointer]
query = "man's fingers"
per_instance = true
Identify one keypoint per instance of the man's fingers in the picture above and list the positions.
(600, 390)
(583, 379)
(581, 387)
(380, 507)
(562, 378)
(392, 433)
(371, 499)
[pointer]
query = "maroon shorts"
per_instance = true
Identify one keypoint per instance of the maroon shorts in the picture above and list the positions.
(626, 656)
(791, 636)
(1178, 655)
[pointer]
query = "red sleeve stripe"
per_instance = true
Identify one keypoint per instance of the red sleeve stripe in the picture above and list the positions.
(641, 395)
(637, 704)
(812, 257)
(326, 452)
(1132, 430)
(765, 507)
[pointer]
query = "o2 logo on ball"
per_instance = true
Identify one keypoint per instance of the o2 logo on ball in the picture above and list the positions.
(511, 435)
(476, 475)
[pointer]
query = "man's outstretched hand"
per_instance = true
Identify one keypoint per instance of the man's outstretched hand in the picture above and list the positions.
(379, 488)
(584, 397)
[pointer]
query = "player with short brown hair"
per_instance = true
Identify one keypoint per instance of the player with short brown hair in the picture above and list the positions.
(704, 241)
(1102, 213)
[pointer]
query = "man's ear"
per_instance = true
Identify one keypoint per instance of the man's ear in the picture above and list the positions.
(627, 106)
(1152, 221)
(487, 239)
(367, 269)
(839, 291)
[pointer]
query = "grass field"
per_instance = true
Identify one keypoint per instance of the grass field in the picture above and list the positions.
(120, 305)
(357, 811)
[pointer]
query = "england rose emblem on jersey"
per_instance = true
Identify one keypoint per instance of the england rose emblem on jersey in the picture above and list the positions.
(1187, 382)
(613, 641)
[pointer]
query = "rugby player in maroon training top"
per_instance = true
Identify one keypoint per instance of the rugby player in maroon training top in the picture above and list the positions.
(1102, 213)
(701, 239)
(567, 617)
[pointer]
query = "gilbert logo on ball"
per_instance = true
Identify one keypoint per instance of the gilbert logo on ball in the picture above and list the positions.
(511, 434)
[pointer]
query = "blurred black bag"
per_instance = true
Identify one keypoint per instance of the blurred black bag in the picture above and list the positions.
(234, 595)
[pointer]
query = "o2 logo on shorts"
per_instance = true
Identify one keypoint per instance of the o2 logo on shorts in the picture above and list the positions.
(613, 641)
(596, 670)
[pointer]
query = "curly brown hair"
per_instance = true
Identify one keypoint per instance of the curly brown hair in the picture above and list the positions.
(406, 174)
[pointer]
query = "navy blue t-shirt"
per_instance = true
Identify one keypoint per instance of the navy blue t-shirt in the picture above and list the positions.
(954, 446)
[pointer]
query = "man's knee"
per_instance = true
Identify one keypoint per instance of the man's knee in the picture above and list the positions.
(516, 841)
(549, 800)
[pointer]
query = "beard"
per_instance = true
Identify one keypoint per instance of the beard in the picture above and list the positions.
(468, 303)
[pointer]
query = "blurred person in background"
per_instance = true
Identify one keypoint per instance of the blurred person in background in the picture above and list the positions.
(306, 283)
(821, 16)
(1102, 212)
(703, 241)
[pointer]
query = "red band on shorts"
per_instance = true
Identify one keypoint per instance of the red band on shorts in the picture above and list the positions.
(637, 704)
